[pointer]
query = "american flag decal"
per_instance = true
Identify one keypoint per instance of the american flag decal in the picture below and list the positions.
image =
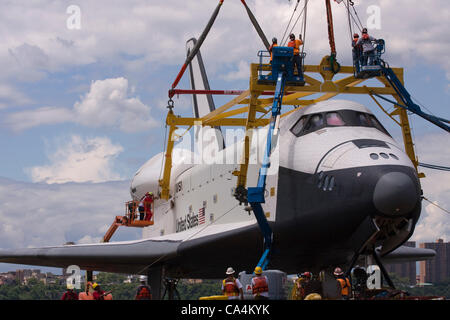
(201, 215)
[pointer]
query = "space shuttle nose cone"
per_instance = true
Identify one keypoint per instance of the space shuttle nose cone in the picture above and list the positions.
(395, 194)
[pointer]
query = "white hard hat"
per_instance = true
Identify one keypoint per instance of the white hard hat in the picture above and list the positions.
(143, 278)
(230, 270)
(70, 286)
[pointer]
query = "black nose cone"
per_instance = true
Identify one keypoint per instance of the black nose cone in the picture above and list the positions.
(395, 194)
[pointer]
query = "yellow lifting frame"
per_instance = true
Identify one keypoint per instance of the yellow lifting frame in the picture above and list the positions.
(252, 104)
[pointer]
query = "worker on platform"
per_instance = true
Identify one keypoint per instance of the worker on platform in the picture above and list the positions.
(143, 291)
(367, 47)
(274, 44)
(356, 51)
(260, 285)
(87, 294)
(70, 294)
(148, 206)
(296, 43)
(344, 283)
(232, 287)
(141, 211)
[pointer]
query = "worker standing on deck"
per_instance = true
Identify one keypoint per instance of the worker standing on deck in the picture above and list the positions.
(260, 285)
(232, 287)
(295, 43)
(148, 206)
(143, 291)
(344, 283)
(70, 294)
(367, 47)
(274, 44)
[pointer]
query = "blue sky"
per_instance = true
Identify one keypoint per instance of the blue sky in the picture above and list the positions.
(82, 109)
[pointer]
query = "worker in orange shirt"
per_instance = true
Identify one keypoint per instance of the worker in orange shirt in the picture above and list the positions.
(296, 43)
(148, 206)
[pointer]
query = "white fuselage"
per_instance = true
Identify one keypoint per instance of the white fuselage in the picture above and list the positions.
(202, 201)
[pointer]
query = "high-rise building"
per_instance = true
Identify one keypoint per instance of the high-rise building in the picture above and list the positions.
(404, 269)
(437, 269)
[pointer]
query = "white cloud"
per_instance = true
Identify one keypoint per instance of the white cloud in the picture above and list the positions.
(23, 120)
(36, 215)
(107, 104)
(434, 223)
(79, 160)
(242, 73)
(9, 96)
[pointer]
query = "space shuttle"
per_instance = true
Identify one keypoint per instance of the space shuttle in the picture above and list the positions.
(339, 187)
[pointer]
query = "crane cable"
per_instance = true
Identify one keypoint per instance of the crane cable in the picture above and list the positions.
(351, 18)
(335, 66)
(423, 197)
(296, 21)
(433, 166)
(304, 27)
(290, 20)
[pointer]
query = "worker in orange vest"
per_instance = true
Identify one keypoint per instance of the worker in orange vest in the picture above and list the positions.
(274, 44)
(344, 283)
(260, 285)
(232, 287)
(296, 43)
(143, 291)
(148, 206)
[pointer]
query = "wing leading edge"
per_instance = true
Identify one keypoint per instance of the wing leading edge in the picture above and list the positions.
(408, 254)
(121, 257)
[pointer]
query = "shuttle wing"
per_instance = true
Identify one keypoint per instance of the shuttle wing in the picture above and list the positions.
(121, 257)
(184, 249)
(408, 254)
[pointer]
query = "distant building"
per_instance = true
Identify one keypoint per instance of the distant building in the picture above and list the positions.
(7, 277)
(437, 269)
(404, 269)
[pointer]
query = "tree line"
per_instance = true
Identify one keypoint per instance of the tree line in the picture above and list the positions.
(37, 290)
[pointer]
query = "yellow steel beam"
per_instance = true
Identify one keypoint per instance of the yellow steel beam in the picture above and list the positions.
(223, 116)
(227, 105)
(164, 183)
(252, 123)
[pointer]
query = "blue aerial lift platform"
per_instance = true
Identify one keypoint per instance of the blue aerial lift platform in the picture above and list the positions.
(282, 73)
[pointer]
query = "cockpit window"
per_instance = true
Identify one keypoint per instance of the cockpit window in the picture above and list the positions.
(298, 127)
(350, 118)
(362, 117)
(377, 124)
(334, 119)
(315, 122)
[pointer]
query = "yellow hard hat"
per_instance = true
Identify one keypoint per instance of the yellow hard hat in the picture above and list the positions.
(258, 270)
(95, 285)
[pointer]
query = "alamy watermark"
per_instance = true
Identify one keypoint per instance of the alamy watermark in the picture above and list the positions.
(73, 22)
(202, 146)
